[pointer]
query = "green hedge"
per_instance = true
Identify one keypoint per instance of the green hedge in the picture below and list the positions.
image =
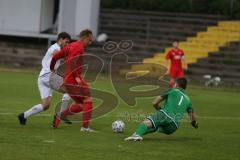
(230, 8)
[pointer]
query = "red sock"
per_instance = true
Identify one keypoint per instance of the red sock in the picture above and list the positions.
(87, 112)
(74, 108)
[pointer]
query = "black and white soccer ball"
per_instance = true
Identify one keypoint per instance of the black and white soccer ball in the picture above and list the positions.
(118, 126)
(102, 37)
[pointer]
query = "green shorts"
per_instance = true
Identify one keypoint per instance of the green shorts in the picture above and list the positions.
(163, 123)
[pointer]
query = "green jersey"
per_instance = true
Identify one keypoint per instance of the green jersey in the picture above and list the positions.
(176, 104)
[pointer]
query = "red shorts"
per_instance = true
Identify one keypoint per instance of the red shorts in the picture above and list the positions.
(176, 73)
(78, 92)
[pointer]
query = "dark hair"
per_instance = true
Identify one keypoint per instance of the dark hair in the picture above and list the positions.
(175, 40)
(63, 35)
(182, 82)
(85, 33)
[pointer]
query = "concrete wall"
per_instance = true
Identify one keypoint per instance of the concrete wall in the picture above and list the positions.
(35, 16)
(46, 20)
(79, 15)
(20, 15)
(67, 16)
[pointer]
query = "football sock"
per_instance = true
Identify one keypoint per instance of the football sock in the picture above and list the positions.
(74, 108)
(141, 129)
(87, 112)
(65, 101)
(34, 110)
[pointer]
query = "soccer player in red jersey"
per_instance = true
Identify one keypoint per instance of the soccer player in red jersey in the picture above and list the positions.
(74, 84)
(175, 62)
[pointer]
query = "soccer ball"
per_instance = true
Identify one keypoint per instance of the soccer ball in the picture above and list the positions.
(118, 126)
(102, 37)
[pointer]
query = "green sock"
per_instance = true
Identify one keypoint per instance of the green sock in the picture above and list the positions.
(141, 129)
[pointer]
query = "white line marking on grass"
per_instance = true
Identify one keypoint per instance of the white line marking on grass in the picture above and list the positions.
(200, 117)
(49, 141)
(12, 114)
(6, 114)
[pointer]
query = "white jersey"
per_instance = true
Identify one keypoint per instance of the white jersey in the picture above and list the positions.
(47, 59)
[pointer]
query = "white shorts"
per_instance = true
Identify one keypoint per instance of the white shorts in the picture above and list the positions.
(44, 87)
(55, 81)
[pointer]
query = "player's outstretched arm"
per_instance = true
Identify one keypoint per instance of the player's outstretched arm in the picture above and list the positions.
(193, 119)
(157, 101)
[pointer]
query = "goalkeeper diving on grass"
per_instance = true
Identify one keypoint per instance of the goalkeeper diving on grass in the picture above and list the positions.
(167, 118)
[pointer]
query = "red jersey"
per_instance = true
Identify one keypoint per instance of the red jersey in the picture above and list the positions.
(73, 54)
(175, 56)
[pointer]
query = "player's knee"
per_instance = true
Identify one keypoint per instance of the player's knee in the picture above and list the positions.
(46, 105)
(148, 123)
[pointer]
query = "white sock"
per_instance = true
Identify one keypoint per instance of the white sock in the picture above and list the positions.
(34, 110)
(65, 102)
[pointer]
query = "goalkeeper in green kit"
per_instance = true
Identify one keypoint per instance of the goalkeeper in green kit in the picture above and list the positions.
(166, 119)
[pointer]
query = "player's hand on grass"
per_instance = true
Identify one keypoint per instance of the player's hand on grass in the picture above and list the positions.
(194, 124)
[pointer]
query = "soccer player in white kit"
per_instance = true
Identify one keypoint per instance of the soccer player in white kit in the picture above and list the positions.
(44, 78)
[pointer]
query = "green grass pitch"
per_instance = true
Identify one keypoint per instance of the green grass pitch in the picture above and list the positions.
(218, 136)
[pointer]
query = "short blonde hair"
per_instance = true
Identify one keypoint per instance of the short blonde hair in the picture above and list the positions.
(85, 33)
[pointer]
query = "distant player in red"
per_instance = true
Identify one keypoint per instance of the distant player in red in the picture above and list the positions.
(74, 84)
(175, 62)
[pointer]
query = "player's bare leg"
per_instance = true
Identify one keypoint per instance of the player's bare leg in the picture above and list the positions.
(34, 110)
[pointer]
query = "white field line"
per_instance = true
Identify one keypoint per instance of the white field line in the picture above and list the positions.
(200, 117)
(15, 114)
